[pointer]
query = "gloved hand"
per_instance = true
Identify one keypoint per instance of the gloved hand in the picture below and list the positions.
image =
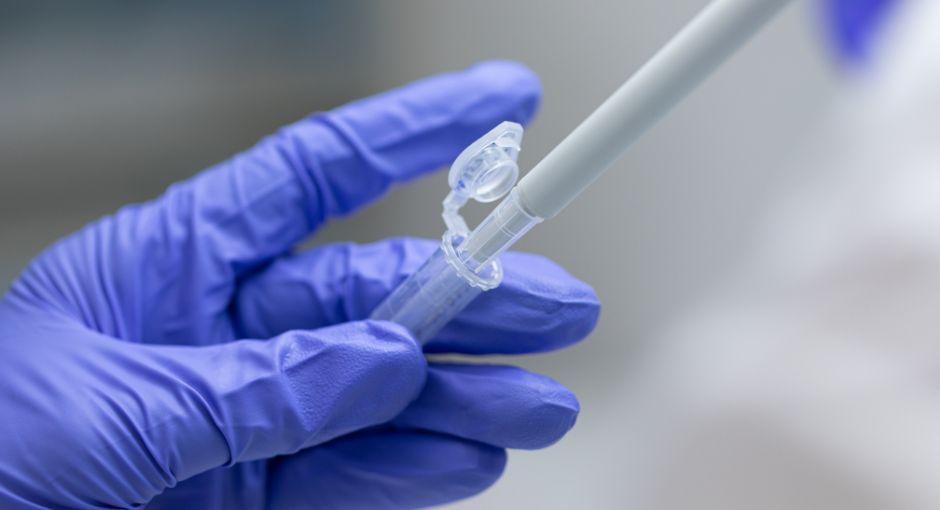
(123, 381)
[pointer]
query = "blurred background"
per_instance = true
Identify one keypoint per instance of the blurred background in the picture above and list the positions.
(108, 102)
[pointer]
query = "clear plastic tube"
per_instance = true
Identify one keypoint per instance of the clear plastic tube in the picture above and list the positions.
(457, 273)
(436, 292)
(467, 262)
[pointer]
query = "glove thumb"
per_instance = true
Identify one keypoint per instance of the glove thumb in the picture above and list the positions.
(205, 407)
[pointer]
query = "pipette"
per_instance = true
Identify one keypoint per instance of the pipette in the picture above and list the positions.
(467, 263)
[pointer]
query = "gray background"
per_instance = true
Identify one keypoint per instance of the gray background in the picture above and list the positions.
(104, 103)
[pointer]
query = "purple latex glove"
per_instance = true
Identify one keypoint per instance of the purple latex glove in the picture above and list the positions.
(123, 382)
(855, 23)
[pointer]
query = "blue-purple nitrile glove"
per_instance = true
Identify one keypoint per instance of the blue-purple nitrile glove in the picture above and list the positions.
(854, 24)
(178, 355)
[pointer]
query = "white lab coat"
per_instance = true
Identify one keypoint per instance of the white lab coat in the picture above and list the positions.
(813, 381)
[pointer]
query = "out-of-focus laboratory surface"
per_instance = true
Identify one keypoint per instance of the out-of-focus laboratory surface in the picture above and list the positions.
(767, 256)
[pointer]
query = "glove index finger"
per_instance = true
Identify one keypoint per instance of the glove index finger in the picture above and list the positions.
(262, 202)
(407, 132)
(194, 243)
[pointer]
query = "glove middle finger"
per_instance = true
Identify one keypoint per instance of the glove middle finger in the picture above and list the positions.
(538, 307)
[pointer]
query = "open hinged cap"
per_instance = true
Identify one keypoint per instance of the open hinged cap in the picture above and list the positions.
(485, 171)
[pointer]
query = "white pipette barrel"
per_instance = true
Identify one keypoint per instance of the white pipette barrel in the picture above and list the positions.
(679, 67)
(463, 268)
